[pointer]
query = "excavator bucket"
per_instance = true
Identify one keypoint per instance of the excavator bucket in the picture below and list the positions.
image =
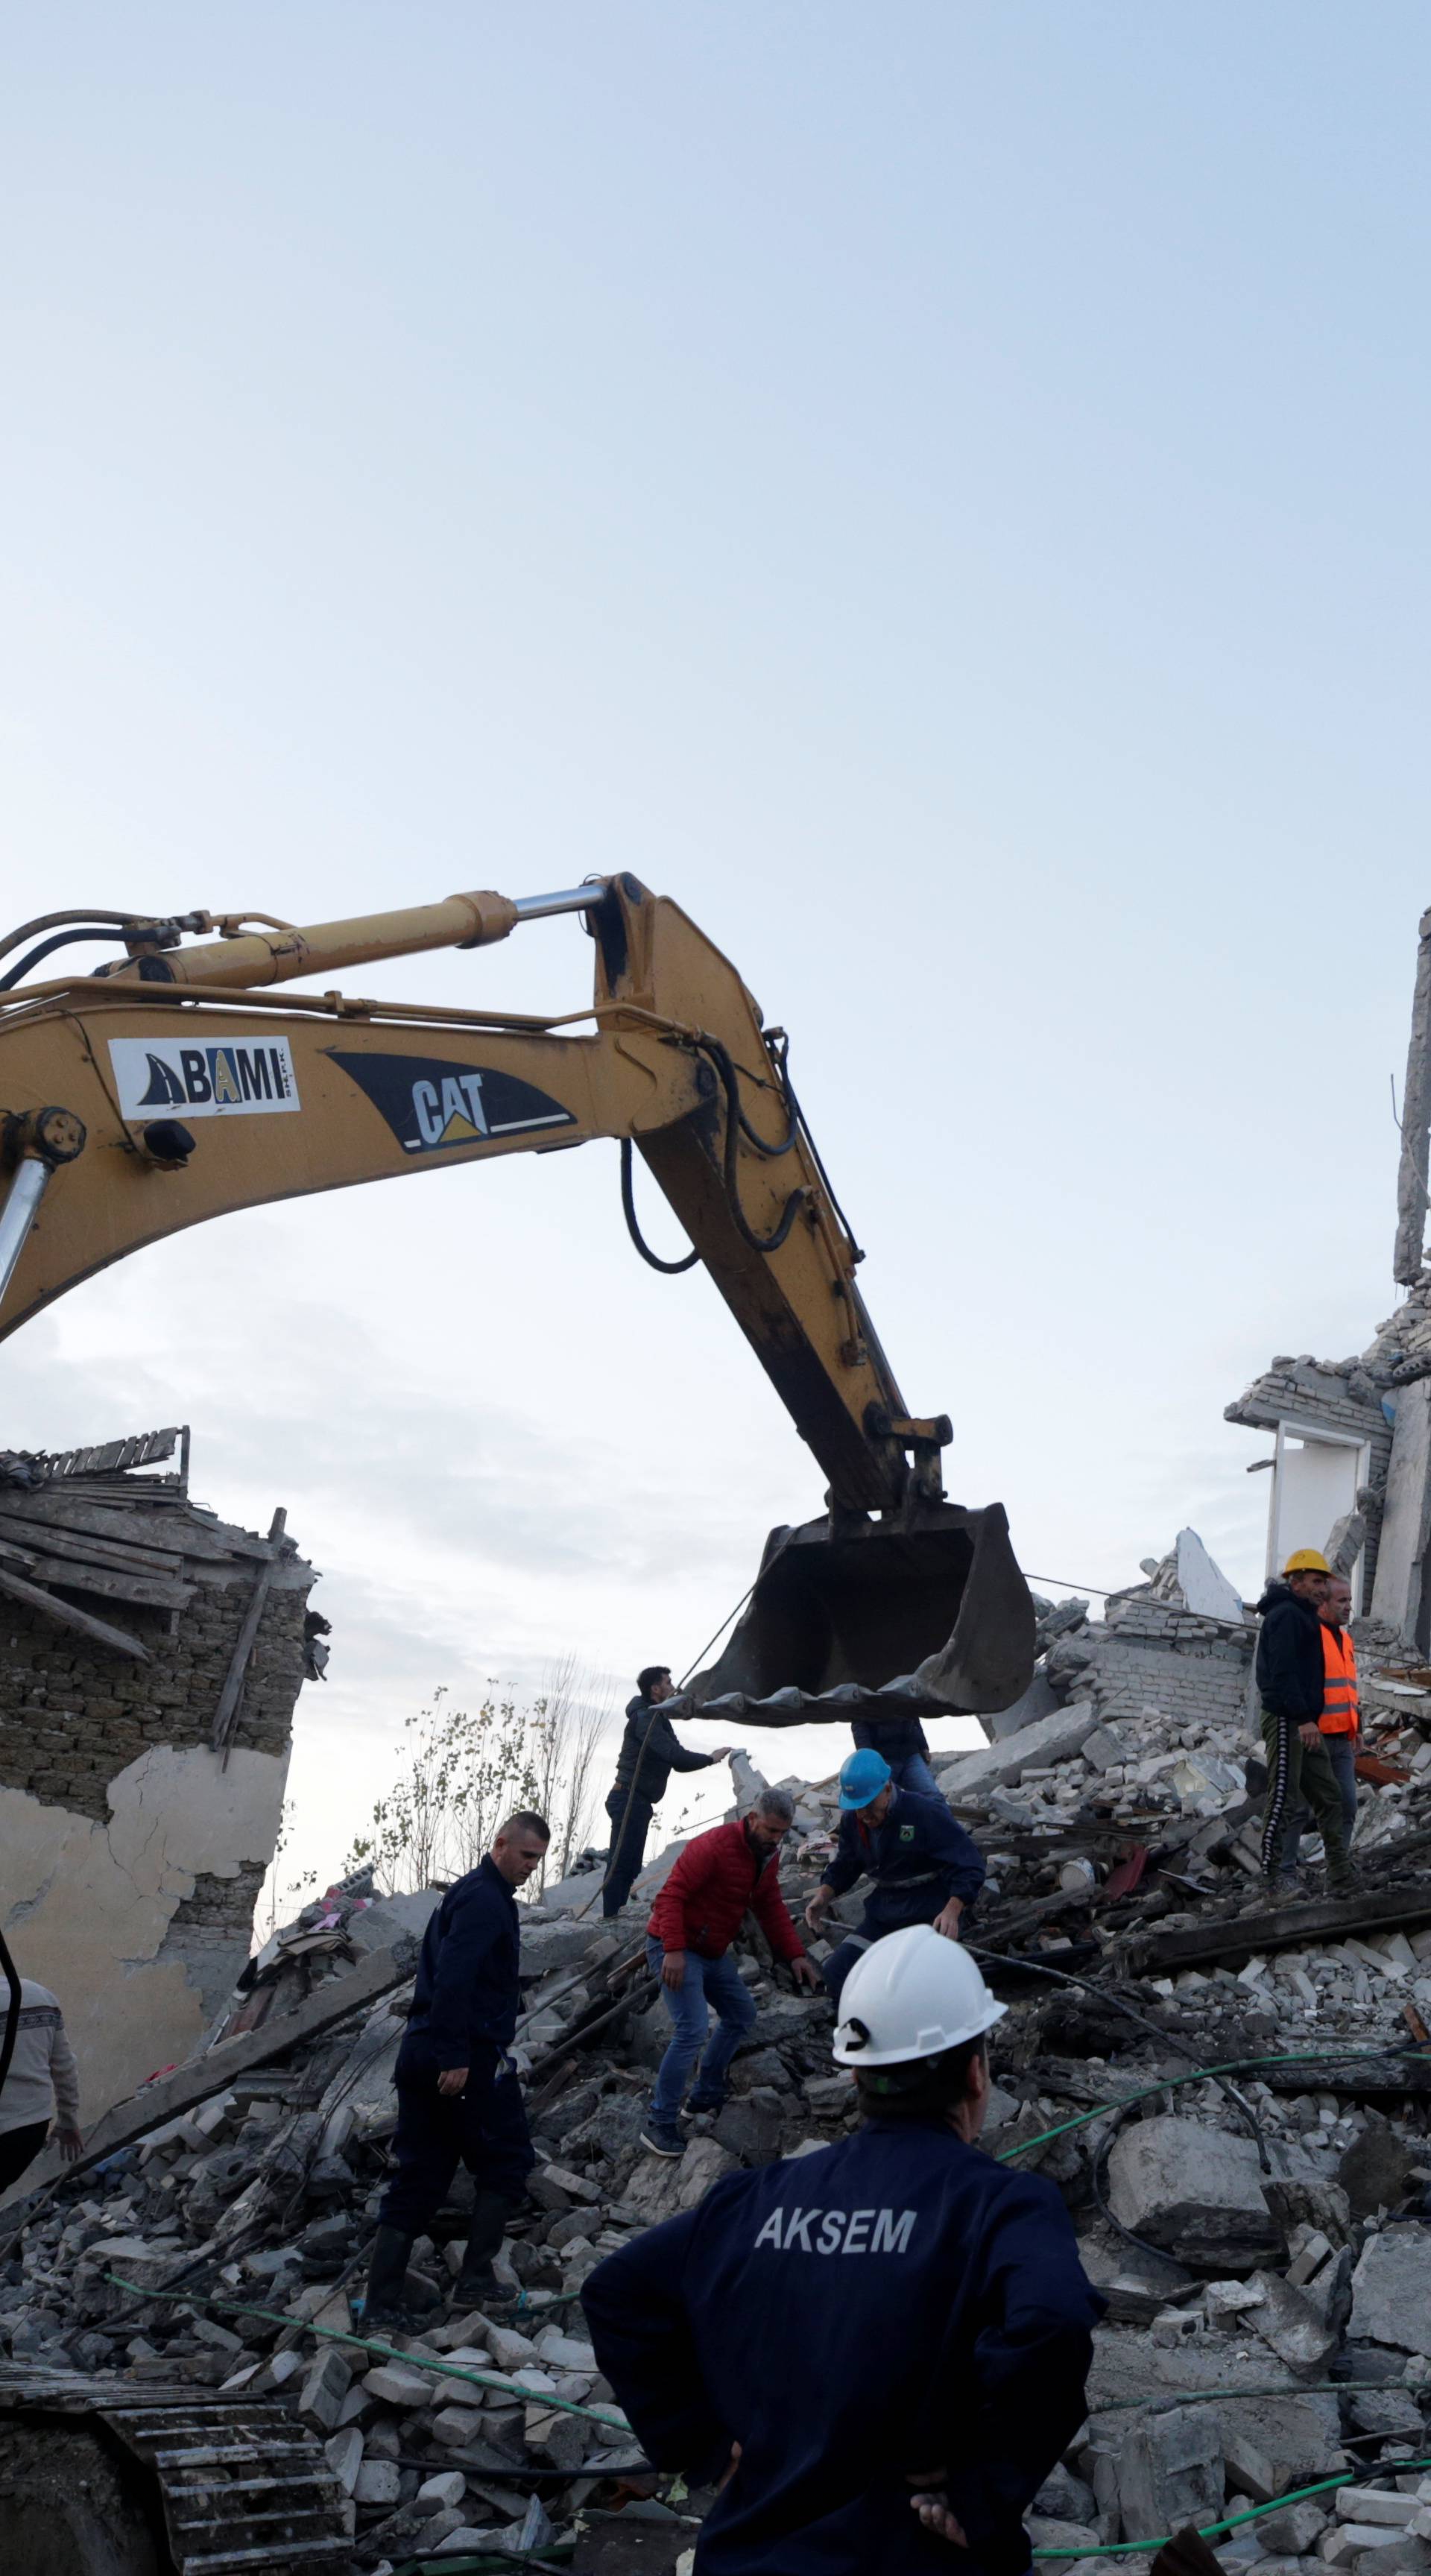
(935, 1620)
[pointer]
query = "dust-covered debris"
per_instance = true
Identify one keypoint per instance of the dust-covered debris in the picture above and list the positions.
(1260, 2232)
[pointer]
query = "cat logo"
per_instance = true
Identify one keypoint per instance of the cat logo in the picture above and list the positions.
(432, 1105)
(248, 1077)
(449, 1112)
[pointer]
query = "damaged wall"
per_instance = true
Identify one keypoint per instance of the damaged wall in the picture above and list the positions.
(1342, 1397)
(130, 1852)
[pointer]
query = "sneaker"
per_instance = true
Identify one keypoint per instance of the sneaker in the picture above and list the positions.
(709, 2104)
(663, 2138)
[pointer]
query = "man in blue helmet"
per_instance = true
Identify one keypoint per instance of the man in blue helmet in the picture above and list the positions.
(880, 2349)
(924, 1867)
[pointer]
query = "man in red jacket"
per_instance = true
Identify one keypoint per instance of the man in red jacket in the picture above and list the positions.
(719, 1877)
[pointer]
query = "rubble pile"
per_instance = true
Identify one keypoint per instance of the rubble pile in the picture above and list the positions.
(1261, 2232)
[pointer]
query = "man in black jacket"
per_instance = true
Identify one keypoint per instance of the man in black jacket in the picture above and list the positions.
(1290, 1674)
(459, 2100)
(650, 1751)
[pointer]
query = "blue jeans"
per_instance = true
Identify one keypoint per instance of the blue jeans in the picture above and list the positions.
(912, 1772)
(707, 1982)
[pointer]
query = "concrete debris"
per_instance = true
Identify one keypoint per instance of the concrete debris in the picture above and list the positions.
(1263, 2240)
(1178, 2184)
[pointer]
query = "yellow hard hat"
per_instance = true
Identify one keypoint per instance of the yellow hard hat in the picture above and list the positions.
(1306, 1560)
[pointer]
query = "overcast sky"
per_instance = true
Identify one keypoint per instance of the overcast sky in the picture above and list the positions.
(940, 491)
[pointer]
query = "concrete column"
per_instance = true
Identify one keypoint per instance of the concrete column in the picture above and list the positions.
(1415, 1124)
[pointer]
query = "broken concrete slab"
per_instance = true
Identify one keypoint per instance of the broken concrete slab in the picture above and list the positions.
(1270, 2444)
(1376, 2169)
(1039, 1700)
(1194, 2190)
(1170, 2473)
(1391, 2290)
(1287, 2321)
(1055, 1738)
(660, 2189)
(1202, 1583)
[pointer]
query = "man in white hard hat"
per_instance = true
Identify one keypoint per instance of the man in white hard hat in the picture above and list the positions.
(884, 2344)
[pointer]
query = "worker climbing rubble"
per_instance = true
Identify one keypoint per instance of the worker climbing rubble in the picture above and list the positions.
(863, 2412)
(650, 1751)
(904, 1746)
(458, 2097)
(924, 1867)
(722, 1875)
(1292, 1669)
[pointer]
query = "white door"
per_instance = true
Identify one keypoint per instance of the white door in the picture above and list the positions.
(1314, 1481)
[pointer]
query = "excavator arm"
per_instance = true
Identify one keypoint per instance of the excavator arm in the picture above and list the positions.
(178, 1084)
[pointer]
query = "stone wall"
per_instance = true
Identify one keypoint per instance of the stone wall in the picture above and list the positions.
(1151, 1655)
(72, 1714)
(131, 1852)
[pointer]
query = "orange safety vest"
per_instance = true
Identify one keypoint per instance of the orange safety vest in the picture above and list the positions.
(1339, 1703)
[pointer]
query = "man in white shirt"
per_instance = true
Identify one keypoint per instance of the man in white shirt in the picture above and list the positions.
(42, 2078)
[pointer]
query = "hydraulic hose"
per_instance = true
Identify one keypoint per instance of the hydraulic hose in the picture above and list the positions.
(633, 1227)
(61, 939)
(734, 1122)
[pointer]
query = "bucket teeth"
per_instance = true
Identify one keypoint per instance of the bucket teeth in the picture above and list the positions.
(931, 1620)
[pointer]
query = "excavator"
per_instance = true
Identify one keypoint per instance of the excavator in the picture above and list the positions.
(176, 1082)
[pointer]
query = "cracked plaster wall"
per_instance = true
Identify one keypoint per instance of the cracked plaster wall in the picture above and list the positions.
(88, 1906)
(129, 1859)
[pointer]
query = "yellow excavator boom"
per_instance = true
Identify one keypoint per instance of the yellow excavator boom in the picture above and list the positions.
(176, 1085)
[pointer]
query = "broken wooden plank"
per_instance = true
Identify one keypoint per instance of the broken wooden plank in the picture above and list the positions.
(1233, 1939)
(374, 1976)
(226, 1714)
(127, 1556)
(108, 1457)
(146, 1589)
(67, 1615)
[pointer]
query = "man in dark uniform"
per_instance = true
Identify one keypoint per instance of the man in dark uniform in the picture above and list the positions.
(905, 1747)
(925, 1868)
(458, 2096)
(650, 1751)
(881, 2347)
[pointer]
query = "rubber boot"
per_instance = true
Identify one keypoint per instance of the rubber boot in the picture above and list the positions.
(477, 2285)
(395, 2296)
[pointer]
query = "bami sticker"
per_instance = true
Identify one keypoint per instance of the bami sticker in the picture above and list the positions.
(249, 1077)
(431, 1106)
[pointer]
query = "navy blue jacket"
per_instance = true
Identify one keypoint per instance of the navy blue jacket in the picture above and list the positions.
(919, 1840)
(898, 2303)
(466, 1994)
(1291, 1668)
(894, 1737)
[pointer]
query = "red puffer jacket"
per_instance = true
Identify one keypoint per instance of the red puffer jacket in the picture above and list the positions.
(718, 1878)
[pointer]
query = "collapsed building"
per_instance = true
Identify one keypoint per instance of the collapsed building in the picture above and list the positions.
(1262, 2236)
(150, 1659)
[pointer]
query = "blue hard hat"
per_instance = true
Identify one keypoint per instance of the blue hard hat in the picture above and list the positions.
(862, 1777)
